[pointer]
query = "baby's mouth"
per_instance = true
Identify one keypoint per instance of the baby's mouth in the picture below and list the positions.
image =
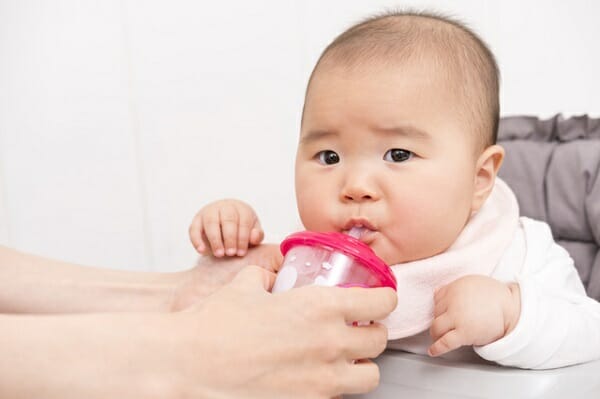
(362, 230)
(358, 224)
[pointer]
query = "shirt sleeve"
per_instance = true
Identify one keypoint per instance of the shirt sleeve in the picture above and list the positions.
(559, 325)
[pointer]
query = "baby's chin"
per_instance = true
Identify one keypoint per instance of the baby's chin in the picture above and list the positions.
(389, 257)
(396, 257)
(393, 260)
(396, 251)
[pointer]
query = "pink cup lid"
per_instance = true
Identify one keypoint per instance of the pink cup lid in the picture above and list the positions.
(348, 245)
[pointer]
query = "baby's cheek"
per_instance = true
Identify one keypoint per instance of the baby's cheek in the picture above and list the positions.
(403, 243)
(317, 203)
(315, 221)
(307, 214)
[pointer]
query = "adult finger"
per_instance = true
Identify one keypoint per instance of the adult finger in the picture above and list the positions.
(364, 304)
(360, 377)
(448, 342)
(365, 342)
(254, 277)
(229, 217)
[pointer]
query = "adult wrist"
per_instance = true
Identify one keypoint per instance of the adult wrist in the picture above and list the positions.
(33, 284)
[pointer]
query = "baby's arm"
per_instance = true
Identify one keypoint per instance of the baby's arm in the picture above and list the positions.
(225, 227)
(556, 323)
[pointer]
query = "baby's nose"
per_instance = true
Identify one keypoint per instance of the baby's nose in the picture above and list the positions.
(359, 190)
(355, 196)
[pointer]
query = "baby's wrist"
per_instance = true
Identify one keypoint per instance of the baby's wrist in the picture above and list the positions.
(512, 308)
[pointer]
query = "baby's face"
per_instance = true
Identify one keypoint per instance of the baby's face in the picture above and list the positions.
(384, 147)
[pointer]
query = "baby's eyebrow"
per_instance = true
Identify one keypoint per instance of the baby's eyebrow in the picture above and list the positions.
(315, 135)
(405, 131)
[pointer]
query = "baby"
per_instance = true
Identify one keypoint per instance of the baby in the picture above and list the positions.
(398, 137)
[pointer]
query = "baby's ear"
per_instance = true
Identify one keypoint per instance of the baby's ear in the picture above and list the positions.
(486, 170)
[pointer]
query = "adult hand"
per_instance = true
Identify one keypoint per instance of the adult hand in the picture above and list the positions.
(295, 344)
(212, 273)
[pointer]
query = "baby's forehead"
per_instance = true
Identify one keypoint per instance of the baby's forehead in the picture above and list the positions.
(334, 89)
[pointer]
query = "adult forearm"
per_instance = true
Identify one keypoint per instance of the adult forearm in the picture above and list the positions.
(32, 284)
(81, 356)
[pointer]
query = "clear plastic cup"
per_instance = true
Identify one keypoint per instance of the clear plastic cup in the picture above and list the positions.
(330, 259)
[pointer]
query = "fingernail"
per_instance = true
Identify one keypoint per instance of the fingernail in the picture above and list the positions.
(241, 252)
(230, 251)
(219, 253)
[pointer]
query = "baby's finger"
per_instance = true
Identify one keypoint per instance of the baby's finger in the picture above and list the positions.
(448, 342)
(246, 222)
(440, 307)
(256, 234)
(440, 293)
(440, 326)
(195, 232)
(242, 241)
(229, 227)
(212, 231)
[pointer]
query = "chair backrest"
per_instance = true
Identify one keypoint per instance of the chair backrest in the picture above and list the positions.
(553, 166)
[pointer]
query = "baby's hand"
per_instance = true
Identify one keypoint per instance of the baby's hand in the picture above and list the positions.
(226, 227)
(473, 310)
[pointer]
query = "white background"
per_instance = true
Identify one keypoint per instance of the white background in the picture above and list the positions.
(119, 119)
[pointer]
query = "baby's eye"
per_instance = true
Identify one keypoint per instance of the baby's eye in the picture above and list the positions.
(328, 157)
(397, 155)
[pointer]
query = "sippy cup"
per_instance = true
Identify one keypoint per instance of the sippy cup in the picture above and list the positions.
(330, 259)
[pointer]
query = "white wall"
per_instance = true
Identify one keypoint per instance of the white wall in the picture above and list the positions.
(119, 119)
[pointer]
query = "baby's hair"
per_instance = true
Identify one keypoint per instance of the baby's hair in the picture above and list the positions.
(397, 36)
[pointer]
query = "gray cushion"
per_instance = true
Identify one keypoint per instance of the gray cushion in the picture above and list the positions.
(553, 166)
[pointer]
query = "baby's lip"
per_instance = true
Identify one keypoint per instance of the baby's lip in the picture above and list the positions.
(358, 222)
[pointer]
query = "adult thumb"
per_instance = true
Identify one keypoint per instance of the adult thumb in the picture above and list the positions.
(255, 277)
